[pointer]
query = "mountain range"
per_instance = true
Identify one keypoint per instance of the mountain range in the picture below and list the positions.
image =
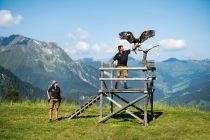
(39, 63)
(179, 82)
(184, 82)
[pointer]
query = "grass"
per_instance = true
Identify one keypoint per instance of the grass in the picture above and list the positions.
(30, 121)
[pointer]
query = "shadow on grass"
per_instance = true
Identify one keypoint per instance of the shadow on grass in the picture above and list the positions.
(126, 116)
(88, 116)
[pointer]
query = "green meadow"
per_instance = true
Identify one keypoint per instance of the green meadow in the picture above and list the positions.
(30, 121)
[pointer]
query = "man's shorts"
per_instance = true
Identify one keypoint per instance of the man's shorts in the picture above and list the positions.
(119, 72)
(55, 102)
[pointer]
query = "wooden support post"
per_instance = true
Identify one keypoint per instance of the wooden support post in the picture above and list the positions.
(111, 104)
(102, 75)
(111, 94)
(151, 92)
(112, 76)
(101, 107)
(145, 58)
(145, 110)
(151, 103)
(145, 88)
(145, 82)
(101, 95)
(145, 74)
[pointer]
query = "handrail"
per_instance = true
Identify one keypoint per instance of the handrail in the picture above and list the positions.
(127, 79)
(133, 68)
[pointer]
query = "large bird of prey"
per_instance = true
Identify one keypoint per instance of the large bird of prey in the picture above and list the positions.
(131, 39)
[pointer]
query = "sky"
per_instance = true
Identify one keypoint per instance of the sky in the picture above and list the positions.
(90, 28)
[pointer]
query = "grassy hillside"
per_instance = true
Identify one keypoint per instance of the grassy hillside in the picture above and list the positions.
(10, 81)
(30, 121)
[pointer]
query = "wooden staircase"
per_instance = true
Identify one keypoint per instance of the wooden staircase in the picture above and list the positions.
(84, 107)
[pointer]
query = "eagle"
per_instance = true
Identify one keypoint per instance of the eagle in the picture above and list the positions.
(131, 39)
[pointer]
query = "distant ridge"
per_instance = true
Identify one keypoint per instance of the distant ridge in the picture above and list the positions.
(9, 81)
(172, 59)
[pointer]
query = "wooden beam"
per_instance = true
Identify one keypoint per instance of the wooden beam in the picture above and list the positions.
(130, 90)
(145, 110)
(127, 79)
(124, 107)
(139, 109)
(151, 104)
(111, 103)
(120, 106)
(133, 68)
(101, 107)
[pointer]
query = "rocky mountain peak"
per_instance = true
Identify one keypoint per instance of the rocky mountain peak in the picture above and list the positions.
(39, 62)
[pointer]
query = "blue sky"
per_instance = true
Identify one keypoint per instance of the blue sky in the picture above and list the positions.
(89, 28)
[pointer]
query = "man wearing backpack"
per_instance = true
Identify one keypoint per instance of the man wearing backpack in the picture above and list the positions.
(54, 98)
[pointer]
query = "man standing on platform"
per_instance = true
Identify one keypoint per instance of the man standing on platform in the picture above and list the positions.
(122, 59)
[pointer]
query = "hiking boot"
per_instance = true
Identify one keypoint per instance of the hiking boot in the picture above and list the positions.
(50, 120)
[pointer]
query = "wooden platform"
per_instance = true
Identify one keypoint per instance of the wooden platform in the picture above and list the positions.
(129, 90)
(149, 67)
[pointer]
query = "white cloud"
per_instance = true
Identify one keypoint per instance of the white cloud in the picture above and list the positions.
(79, 33)
(172, 44)
(79, 48)
(84, 49)
(82, 46)
(7, 19)
(103, 48)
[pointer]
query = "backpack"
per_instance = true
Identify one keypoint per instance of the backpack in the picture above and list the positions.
(54, 92)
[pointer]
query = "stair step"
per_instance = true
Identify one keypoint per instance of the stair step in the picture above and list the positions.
(85, 106)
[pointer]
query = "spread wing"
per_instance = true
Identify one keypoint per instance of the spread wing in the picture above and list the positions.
(128, 36)
(146, 34)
